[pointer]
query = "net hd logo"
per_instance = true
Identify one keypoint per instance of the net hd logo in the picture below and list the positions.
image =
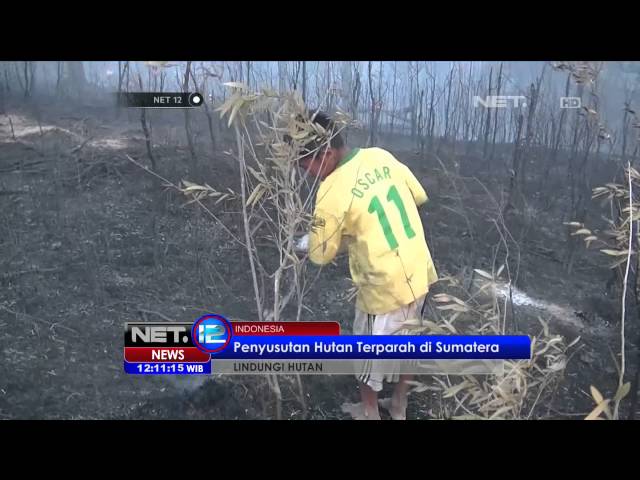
(211, 333)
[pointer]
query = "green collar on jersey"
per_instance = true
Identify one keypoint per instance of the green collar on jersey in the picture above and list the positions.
(349, 156)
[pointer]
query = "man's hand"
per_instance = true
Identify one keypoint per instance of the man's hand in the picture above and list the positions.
(302, 243)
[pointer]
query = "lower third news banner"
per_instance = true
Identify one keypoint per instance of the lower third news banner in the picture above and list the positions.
(213, 345)
(387, 354)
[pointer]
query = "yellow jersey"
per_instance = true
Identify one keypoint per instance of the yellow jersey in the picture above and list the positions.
(368, 204)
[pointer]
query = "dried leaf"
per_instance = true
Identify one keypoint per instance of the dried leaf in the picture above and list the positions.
(186, 183)
(484, 274)
(255, 195)
(238, 85)
(222, 197)
(421, 387)
(597, 396)
(458, 301)
(622, 392)
(441, 297)
(234, 111)
(557, 366)
(595, 414)
(577, 339)
(224, 108)
(499, 412)
(450, 392)
(615, 253)
(193, 188)
(453, 306)
(258, 176)
(545, 327)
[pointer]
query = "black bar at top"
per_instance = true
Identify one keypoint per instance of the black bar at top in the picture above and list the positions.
(160, 100)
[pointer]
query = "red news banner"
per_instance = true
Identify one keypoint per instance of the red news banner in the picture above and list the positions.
(190, 353)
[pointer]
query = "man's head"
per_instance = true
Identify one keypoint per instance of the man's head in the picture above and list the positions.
(324, 154)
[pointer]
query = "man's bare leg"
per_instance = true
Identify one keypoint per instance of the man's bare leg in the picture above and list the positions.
(369, 402)
(398, 410)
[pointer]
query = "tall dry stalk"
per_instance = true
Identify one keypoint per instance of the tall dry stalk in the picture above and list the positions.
(276, 199)
(620, 246)
(624, 294)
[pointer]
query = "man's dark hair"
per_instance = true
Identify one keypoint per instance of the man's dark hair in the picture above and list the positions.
(322, 119)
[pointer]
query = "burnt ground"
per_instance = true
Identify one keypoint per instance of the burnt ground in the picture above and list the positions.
(89, 241)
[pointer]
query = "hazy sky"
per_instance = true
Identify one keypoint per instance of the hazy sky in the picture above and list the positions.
(615, 84)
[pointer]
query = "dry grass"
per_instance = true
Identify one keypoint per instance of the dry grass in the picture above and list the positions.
(524, 384)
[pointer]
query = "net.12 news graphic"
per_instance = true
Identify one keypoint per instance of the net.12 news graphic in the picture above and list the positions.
(174, 348)
(187, 348)
(213, 345)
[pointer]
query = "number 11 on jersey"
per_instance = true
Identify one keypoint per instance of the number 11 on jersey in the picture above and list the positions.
(376, 206)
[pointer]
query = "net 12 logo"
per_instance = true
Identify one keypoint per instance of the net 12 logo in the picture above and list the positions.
(166, 348)
(211, 333)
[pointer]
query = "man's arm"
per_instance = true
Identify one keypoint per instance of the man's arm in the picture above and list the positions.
(419, 194)
(325, 237)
